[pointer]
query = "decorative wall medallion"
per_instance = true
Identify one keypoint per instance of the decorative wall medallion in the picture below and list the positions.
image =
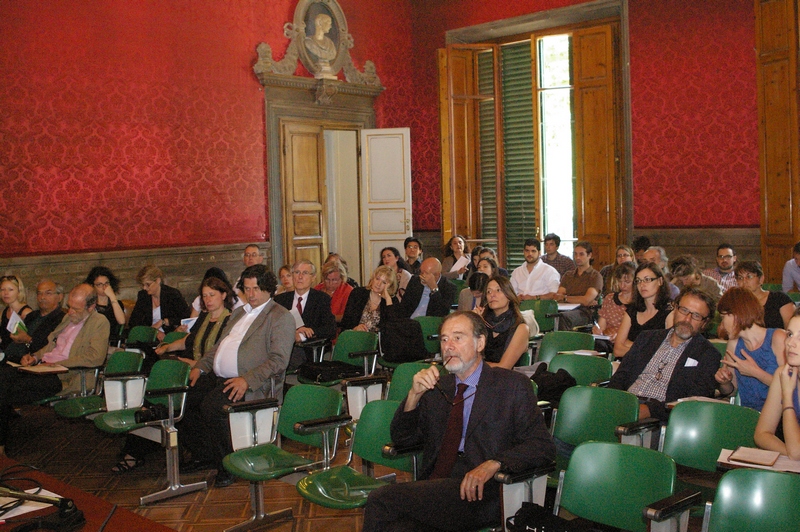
(322, 44)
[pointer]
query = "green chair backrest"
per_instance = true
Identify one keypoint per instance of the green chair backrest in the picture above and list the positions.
(721, 347)
(713, 326)
(143, 334)
(589, 413)
(124, 362)
(698, 430)
(757, 501)
(541, 308)
(794, 296)
(172, 336)
(372, 433)
(353, 342)
(460, 285)
(168, 374)
(402, 378)
(583, 368)
(304, 402)
(772, 287)
(430, 325)
(556, 341)
(611, 483)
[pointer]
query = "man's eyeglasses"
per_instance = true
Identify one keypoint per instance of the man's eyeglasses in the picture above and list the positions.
(645, 280)
(301, 272)
(696, 316)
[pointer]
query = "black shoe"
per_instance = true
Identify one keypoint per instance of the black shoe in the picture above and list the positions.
(224, 479)
(196, 465)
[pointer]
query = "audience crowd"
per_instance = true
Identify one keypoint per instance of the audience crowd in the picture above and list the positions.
(659, 318)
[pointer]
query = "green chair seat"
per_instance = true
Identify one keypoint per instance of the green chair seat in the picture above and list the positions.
(340, 488)
(78, 407)
(118, 421)
(263, 462)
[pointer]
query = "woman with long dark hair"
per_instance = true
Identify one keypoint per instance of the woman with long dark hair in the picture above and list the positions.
(106, 284)
(649, 310)
(508, 333)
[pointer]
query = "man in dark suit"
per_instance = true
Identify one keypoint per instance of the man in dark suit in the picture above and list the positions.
(313, 306)
(669, 364)
(254, 348)
(504, 430)
(427, 294)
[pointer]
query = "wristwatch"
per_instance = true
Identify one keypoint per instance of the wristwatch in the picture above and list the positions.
(435, 290)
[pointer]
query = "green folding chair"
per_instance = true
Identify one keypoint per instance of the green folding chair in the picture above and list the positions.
(268, 461)
(545, 311)
(556, 341)
(141, 334)
(612, 484)
(355, 348)
(345, 488)
(430, 328)
(585, 369)
(119, 363)
(754, 500)
(166, 386)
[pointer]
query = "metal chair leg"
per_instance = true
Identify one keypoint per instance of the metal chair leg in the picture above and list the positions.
(260, 518)
(175, 487)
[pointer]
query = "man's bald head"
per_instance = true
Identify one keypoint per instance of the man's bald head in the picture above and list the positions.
(431, 265)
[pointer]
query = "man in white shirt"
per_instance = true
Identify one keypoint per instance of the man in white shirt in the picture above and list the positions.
(791, 271)
(534, 277)
(255, 347)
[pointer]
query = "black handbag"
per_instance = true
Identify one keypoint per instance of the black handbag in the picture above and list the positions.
(402, 341)
(328, 370)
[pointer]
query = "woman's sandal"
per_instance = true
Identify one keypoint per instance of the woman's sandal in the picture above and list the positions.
(128, 463)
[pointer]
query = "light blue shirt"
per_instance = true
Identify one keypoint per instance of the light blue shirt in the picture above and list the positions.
(422, 307)
(469, 394)
(791, 275)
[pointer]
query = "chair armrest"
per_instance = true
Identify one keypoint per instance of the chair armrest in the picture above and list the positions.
(314, 342)
(432, 337)
(393, 450)
(637, 427)
(505, 477)
(552, 315)
(126, 376)
(672, 506)
(369, 380)
(249, 406)
(324, 424)
(85, 368)
(361, 354)
(166, 391)
(600, 384)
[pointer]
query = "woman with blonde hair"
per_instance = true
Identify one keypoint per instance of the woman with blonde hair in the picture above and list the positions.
(366, 306)
(334, 283)
(12, 291)
(157, 305)
(783, 403)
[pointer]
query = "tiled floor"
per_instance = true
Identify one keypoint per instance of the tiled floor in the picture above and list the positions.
(79, 454)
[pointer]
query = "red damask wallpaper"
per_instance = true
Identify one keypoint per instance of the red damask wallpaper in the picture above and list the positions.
(695, 116)
(137, 124)
(140, 124)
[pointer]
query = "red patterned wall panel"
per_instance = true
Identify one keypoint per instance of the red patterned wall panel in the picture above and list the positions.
(695, 129)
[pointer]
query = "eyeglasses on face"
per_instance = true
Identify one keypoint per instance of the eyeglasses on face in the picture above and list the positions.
(696, 316)
(301, 272)
(645, 280)
(745, 276)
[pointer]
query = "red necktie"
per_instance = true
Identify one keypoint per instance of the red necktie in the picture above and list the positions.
(300, 305)
(452, 437)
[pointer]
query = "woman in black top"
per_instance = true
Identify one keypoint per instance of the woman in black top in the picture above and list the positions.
(106, 285)
(508, 333)
(157, 305)
(778, 307)
(649, 309)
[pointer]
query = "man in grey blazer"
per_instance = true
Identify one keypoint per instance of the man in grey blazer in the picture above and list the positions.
(255, 346)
